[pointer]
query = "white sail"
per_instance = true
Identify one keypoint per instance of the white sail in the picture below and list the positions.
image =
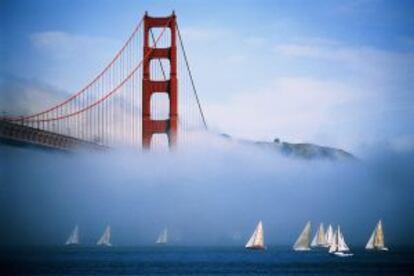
(314, 242)
(105, 239)
(342, 246)
(163, 237)
(379, 237)
(338, 245)
(257, 239)
(329, 235)
(302, 243)
(73, 237)
(334, 244)
(370, 243)
(376, 241)
(319, 239)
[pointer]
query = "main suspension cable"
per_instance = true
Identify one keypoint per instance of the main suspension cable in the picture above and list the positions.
(90, 84)
(191, 77)
(111, 92)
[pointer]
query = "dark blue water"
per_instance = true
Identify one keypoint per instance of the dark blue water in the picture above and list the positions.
(201, 260)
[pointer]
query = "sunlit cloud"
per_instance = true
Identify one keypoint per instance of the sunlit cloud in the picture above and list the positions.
(294, 108)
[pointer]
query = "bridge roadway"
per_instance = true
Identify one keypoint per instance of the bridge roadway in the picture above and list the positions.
(21, 135)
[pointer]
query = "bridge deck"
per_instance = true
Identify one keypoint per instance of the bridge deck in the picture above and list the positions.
(14, 133)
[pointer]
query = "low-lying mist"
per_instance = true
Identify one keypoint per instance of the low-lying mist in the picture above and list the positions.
(212, 192)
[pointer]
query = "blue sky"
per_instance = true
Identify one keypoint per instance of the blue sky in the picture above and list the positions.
(337, 73)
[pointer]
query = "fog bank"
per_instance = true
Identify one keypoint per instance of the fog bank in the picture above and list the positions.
(212, 192)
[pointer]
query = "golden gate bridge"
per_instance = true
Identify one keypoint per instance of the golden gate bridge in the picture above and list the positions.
(146, 92)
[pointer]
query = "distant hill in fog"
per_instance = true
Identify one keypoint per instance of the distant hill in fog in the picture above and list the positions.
(301, 150)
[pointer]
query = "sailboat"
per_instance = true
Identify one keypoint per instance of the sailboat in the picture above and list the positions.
(376, 241)
(73, 237)
(256, 241)
(339, 246)
(105, 239)
(329, 236)
(319, 239)
(163, 237)
(302, 243)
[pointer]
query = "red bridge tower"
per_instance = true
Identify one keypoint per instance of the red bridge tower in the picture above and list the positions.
(150, 86)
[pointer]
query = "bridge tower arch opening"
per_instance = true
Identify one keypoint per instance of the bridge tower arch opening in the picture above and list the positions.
(169, 85)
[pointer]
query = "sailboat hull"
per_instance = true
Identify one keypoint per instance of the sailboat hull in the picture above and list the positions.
(342, 254)
(377, 249)
(302, 249)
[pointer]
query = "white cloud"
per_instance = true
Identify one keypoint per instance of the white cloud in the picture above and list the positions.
(341, 109)
(367, 60)
(295, 108)
(307, 89)
(65, 45)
